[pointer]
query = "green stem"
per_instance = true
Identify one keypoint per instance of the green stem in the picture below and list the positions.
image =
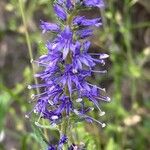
(65, 126)
(70, 17)
(27, 39)
(30, 51)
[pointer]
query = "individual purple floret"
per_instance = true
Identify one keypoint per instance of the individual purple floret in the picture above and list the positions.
(94, 3)
(51, 147)
(46, 26)
(64, 88)
(60, 12)
(82, 21)
(84, 33)
(62, 141)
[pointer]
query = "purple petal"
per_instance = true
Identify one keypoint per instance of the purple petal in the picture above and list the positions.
(84, 33)
(46, 26)
(60, 12)
(94, 3)
(69, 4)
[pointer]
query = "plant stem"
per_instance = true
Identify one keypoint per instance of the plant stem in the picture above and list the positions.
(65, 123)
(27, 39)
(30, 50)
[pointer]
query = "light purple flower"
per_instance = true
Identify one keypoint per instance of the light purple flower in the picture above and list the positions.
(46, 26)
(60, 12)
(84, 33)
(94, 3)
(82, 21)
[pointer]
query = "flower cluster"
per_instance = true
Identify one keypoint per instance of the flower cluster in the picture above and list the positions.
(67, 65)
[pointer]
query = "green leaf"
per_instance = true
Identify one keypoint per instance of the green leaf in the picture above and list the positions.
(39, 137)
(111, 145)
(42, 49)
(4, 104)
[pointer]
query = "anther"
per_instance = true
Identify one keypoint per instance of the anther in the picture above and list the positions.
(27, 116)
(103, 125)
(91, 108)
(102, 113)
(79, 100)
(103, 56)
(54, 117)
(74, 71)
(108, 99)
(31, 61)
(29, 87)
(37, 124)
(50, 102)
(32, 96)
(76, 112)
(35, 111)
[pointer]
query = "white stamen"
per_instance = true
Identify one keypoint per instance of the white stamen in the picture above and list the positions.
(27, 116)
(92, 108)
(102, 113)
(79, 100)
(36, 75)
(35, 111)
(31, 61)
(103, 125)
(29, 87)
(40, 63)
(102, 89)
(74, 71)
(50, 102)
(37, 124)
(43, 56)
(95, 71)
(2, 136)
(103, 56)
(50, 89)
(108, 99)
(54, 46)
(54, 117)
(97, 105)
(32, 96)
(76, 112)
(44, 31)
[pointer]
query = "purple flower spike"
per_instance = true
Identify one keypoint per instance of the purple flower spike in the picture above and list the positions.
(65, 90)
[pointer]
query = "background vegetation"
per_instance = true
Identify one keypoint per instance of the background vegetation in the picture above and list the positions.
(125, 36)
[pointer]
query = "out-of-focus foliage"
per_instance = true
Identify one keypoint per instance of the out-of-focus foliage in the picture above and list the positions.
(125, 36)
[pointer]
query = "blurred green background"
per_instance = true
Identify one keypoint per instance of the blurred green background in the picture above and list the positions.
(125, 36)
